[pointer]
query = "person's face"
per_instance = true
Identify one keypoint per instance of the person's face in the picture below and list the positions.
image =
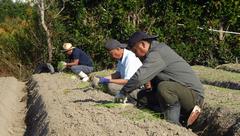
(116, 53)
(69, 52)
(140, 49)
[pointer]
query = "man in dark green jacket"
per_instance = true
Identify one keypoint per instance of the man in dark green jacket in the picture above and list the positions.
(176, 83)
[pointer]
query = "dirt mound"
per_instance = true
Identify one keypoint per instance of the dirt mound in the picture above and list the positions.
(58, 107)
(221, 116)
(12, 111)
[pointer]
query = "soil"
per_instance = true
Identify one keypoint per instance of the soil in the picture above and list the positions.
(12, 107)
(221, 113)
(58, 105)
(67, 110)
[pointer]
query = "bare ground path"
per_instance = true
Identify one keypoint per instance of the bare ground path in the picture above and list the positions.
(12, 109)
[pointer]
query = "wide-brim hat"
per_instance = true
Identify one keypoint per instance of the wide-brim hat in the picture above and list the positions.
(139, 36)
(113, 44)
(67, 47)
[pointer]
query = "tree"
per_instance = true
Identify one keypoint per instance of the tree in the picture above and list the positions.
(43, 7)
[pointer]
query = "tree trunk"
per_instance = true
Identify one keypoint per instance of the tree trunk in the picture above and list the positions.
(48, 34)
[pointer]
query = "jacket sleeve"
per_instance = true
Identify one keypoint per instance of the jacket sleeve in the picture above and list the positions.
(152, 65)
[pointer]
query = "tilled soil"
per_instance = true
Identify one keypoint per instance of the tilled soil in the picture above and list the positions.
(61, 108)
(12, 107)
(221, 113)
(56, 105)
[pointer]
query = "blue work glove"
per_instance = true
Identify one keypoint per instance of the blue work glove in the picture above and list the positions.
(103, 80)
(120, 98)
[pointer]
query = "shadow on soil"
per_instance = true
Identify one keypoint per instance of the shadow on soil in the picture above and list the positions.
(217, 122)
(36, 117)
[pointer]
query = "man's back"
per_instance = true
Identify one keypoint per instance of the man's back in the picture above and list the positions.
(83, 58)
(173, 67)
(128, 65)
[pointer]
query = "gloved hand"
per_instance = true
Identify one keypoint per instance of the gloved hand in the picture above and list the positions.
(120, 98)
(103, 80)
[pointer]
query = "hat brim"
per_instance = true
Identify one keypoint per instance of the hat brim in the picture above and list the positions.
(139, 36)
(123, 46)
(68, 49)
(150, 37)
(115, 47)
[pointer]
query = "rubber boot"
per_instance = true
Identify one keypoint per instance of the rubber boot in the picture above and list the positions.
(83, 76)
(172, 113)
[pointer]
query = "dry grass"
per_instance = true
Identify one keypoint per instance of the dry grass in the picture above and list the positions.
(216, 74)
(230, 67)
(103, 73)
(218, 77)
(222, 97)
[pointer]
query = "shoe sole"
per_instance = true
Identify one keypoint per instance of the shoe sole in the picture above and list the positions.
(194, 115)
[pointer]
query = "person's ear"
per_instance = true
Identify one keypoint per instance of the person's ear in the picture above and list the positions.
(143, 45)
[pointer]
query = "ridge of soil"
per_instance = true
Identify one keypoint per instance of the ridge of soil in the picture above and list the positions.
(218, 77)
(58, 107)
(221, 113)
(230, 67)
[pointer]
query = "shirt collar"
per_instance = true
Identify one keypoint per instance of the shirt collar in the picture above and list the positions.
(124, 55)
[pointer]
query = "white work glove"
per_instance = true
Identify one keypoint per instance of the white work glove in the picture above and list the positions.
(120, 98)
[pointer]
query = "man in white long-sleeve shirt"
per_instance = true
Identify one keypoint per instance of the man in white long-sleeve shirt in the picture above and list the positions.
(127, 65)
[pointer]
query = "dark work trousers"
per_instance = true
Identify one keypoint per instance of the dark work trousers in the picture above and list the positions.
(150, 99)
(176, 94)
(173, 92)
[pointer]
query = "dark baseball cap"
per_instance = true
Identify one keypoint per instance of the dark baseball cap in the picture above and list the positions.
(113, 44)
(139, 36)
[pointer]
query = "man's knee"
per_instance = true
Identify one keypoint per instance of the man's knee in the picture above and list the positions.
(74, 69)
(114, 88)
(166, 91)
(164, 88)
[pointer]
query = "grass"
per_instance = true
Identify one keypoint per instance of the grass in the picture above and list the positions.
(110, 105)
(132, 113)
(230, 67)
(140, 115)
(103, 73)
(211, 74)
(83, 85)
(222, 97)
(66, 91)
(70, 75)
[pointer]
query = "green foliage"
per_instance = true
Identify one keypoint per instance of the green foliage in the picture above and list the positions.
(92, 22)
(88, 24)
(141, 115)
(61, 66)
(110, 105)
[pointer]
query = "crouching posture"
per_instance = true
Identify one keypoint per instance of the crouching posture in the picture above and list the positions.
(78, 61)
(127, 65)
(178, 88)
